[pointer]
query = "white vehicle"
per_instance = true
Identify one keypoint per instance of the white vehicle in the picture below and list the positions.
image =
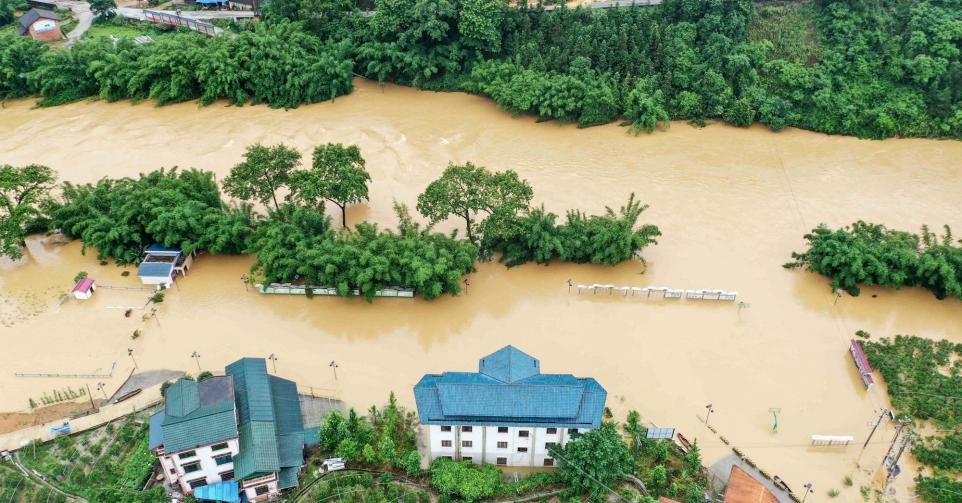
(332, 465)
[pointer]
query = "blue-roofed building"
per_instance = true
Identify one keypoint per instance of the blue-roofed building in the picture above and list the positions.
(507, 413)
(241, 432)
(161, 265)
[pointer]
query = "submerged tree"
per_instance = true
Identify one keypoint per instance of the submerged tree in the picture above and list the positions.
(338, 176)
(264, 171)
(24, 190)
(471, 191)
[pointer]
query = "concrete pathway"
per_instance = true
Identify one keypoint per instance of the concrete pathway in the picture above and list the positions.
(18, 439)
(84, 16)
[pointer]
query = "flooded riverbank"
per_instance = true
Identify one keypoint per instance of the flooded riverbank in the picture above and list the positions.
(732, 204)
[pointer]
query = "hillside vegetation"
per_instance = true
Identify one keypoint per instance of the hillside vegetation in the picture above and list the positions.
(870, 68)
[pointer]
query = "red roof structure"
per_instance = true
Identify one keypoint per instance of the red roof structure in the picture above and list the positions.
(861, 362)
(83, 285)
(743, 488)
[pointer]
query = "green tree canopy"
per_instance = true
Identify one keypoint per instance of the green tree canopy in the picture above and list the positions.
(264, 171)
(480, 197)
(337, 175)
(24, 191)
(594, 462)
(104, 9)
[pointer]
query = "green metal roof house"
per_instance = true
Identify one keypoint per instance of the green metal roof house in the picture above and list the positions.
(242, 433)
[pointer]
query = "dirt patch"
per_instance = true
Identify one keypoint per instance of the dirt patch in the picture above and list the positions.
(13, 421)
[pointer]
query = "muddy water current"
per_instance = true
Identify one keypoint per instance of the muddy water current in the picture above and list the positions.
(732, 204)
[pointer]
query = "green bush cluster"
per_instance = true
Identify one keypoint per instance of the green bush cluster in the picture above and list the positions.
(365, 487)
(923, 377)
(277, 64)
(298, 242)
(385, 438)
(608, 239)
(871, 254)
(121, 217)
(110, 473)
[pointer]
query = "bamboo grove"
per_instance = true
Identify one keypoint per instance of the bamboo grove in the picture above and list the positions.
(295, 240)
(871, 68)
(873, 255)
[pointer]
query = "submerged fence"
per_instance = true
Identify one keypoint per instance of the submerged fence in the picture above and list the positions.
(71, 376)
(660, 292)
(288, 289)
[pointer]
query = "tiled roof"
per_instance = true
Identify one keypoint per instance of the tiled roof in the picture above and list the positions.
(271, 424)
(156, 430)
(182, 398)
(258, 450)
(507, 391)
(159, 249)
(154, 269)
(508, 364)
(34, 14)
(196, 413)
(287, 478)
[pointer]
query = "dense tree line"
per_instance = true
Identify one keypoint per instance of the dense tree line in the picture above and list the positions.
(871, 254)
(874, 68)
(121, 217)
(277, 64)
(296, 241)
(609, 239)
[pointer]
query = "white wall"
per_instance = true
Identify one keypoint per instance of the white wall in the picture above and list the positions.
(209, 469)
(485, 444)
(250, 488)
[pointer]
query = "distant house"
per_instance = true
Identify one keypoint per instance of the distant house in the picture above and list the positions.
(84, 289)
(231, 438)
(162, 265)
(41, 24)
(507, 413)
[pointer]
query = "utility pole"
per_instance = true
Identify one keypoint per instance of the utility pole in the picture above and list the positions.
(273, 360)
(90, 396)
(886, 462)
(102, 388)
(808, 490)
(877, 422)
(130, 353)
(895, 462)
(196, 356)
(710, 410)
(334, 366)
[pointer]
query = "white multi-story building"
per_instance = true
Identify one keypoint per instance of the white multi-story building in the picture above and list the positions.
(230, 438)
(508, 413)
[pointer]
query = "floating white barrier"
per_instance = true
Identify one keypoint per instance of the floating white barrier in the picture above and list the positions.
(664, 292)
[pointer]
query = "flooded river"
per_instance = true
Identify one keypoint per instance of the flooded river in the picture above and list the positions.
(732, 204)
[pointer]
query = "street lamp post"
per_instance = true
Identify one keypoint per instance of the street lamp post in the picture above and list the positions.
(196, 356)
(130, 353)
(102, 388)
(273, 360)
(710, 410)
(334, 366)
(808, 489)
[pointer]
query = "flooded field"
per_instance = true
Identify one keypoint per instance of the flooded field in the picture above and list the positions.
(732, 204)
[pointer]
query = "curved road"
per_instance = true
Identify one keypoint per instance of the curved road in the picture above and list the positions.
(82, 11)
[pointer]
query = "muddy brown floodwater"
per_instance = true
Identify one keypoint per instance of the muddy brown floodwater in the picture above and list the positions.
(732, 203)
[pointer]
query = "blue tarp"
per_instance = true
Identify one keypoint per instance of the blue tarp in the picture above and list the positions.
(209, 1)
(227, 491)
